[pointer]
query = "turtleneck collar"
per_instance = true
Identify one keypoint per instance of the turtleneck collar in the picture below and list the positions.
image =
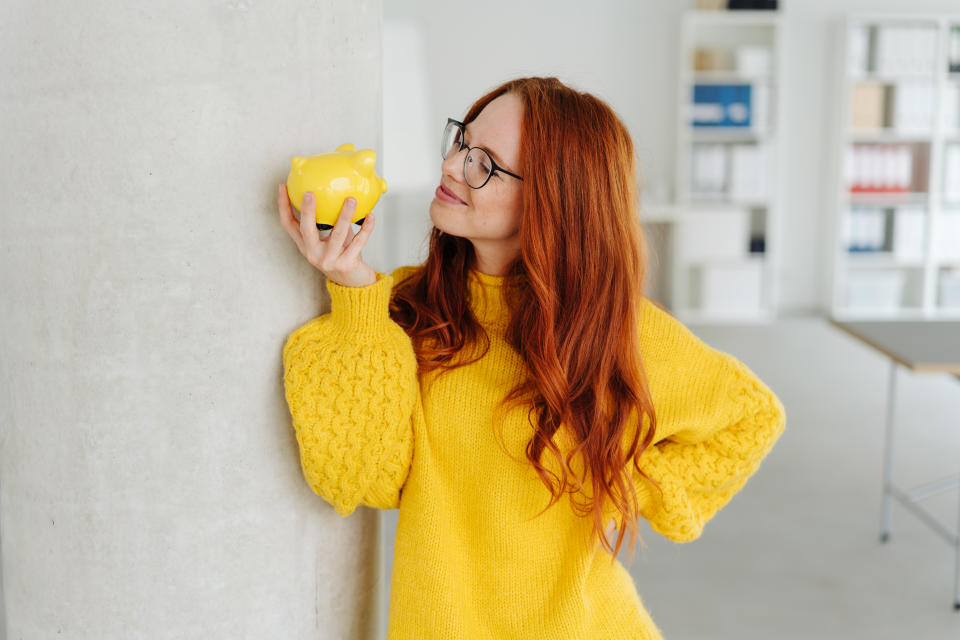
(486, 299)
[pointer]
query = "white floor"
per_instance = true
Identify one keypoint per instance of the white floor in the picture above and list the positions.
(796, 554)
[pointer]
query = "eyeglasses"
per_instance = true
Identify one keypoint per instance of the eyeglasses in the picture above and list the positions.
(478, 166)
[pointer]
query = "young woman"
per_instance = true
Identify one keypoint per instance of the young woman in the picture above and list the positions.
(492, 393)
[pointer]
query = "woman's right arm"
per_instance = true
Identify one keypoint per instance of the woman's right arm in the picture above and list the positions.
(350, 379)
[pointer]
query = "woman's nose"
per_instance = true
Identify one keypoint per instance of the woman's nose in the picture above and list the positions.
(452, 165)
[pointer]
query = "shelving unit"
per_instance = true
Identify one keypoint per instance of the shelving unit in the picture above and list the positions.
(895, 179)
(726, 211)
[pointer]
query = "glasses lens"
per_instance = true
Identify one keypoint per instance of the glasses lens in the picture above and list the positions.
(477, 168)
(450, 142)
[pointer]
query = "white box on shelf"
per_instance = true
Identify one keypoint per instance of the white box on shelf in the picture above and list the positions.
(710, 234)
(732, 288)
(753, 61)
(946, 236)
(950, 288)
(908, 233)
(875, 290)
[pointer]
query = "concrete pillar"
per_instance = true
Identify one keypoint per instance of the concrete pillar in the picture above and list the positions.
(150, 485)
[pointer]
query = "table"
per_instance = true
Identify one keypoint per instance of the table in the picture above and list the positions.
(922, 346)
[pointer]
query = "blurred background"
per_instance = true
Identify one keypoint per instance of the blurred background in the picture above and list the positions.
(798, 161)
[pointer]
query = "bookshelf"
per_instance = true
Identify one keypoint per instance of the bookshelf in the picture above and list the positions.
(726, 199)
(895, 179)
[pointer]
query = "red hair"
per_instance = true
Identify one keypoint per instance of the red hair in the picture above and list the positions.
(575, 296)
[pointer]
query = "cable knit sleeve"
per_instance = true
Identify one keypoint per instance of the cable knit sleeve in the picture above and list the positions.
(351, 384)
(721, 421)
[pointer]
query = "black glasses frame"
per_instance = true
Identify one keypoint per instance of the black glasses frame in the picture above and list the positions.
(493, 163)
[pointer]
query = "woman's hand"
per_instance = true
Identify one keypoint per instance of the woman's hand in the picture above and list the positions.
(337, 256)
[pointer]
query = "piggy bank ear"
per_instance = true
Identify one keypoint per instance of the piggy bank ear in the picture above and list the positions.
(363, 161)
(346, 147)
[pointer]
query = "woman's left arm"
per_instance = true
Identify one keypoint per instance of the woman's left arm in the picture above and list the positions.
(701, 467)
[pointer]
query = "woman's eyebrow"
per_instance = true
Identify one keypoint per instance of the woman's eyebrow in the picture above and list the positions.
(493, 153)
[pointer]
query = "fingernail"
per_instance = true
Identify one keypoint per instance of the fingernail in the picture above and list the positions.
(308, 197)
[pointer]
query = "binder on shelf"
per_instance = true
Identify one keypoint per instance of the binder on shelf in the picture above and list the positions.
(874, 290)
(946, 236)
(914, 105)
(908, 233)
(752, 5)
(709, 174)
(951, 109)
(951, 173)
(721, 105)
(748, 171)
(858, 50)
(953, 45)
(864, 230)
(874, 167)
(868, 105)
(733, 170)
(950, 288)
(905, 49)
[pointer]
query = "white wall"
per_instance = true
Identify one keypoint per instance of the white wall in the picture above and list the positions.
(150, 484)
(626, 53)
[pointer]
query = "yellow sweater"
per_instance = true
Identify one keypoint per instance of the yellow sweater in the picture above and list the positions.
(470, 560)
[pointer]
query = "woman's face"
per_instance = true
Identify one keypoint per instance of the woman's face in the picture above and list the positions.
(489, 216)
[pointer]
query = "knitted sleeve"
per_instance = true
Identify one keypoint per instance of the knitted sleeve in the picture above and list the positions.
(722, 420)
(350, 379)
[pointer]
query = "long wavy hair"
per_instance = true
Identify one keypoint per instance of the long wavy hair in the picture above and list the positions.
(574, 295)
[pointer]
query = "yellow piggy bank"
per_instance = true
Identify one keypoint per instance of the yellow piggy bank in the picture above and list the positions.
(334, 177)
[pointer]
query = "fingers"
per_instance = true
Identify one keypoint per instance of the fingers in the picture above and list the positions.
(287, 219)
(307, 236)
(308, 221)
(356, 244)
(338, 237)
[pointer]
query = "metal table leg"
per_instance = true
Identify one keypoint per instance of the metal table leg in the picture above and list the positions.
(888, 456)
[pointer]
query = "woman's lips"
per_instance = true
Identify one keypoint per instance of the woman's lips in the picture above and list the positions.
(446, 196)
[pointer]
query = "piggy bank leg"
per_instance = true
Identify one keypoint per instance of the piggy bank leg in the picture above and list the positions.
(324, 227)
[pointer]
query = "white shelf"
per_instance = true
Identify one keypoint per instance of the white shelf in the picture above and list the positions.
(880, 260)
(726, 134)
(889, 135)
(736, 284)
(719, 76)
(882, 199)
(882, 285)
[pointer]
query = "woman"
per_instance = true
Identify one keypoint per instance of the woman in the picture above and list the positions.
(474, 391)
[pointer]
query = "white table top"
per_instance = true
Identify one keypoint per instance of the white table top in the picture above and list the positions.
(921, 345)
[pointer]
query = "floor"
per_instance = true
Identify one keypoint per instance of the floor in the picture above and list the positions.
(796, 553)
